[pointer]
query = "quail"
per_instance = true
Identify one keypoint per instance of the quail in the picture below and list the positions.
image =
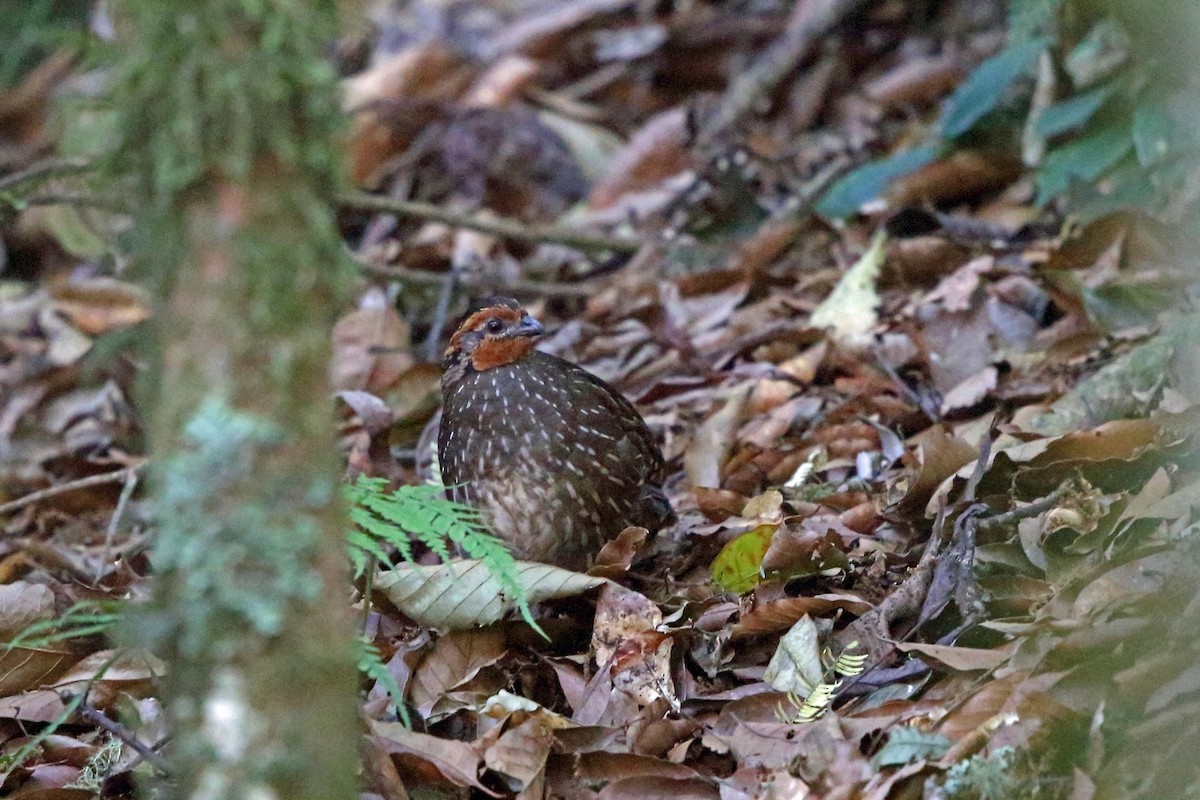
(556, 459)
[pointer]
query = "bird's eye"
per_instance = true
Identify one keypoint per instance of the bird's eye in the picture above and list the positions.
(494, 326)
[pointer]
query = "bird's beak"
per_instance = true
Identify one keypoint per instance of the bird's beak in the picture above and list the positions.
(528, 326)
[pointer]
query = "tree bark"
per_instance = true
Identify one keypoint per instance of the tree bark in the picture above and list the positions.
(227, 124)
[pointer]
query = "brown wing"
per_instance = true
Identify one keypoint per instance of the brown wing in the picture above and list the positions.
(608, 428)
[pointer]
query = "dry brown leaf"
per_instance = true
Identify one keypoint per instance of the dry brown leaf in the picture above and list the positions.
(752, 783)
(956, 291)
(917, 81)
(641, 668)
(971, 391)
(66, 344)
(502, 82)
(599, 766)
(99, 305)
(621, 614)
(804, 549)
(1015, 702)
(23, 668)
(710, 445)
(115, 669)
(939, 454)
(654, 153)
(370, 350)
(39, 705)
(768, 430)
(464, 594)
(963, 175)
(520, 752)
(958, 658)
(457, 762)
(616, 556)
(22, 604)
(719, 504)
(659, 788)
(427, 71)
(1054, 459)
(779, 615)
(957, 345)
(453, 660)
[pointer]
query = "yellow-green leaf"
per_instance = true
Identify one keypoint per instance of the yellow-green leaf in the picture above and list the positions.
(736, 567)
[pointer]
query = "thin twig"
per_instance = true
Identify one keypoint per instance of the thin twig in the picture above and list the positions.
(518, 287)
(1036, 508)
(76, 199)
(63, 488)
(111, 533)
(442, 310)
(497, 226)
(44, 171)
(119, 731)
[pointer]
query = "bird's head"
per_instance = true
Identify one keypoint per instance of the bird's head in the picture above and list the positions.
(495, 332)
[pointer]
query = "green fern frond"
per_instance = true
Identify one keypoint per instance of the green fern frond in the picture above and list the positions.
(85, 618)
(370, 663)
(423, 513)
(848, 664)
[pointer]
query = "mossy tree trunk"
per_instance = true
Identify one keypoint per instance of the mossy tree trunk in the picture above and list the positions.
(227, 125)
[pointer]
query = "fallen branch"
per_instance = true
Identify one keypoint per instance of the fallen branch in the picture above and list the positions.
(999, 522)
(497, 226)
(120, 732)
(518, 287)
(71, 486)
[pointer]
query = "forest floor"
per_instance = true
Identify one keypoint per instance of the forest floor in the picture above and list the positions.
(929, 437)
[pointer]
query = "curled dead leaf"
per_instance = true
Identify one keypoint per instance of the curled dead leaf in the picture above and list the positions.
(370, 350)
(641, 668)
(100, 305)
(464, 594)
(620, 614)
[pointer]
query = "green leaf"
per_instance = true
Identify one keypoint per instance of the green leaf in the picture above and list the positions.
(74, 234)
(867, 182)
(370, 663)
(1153, 131)
(1127, 304)
(1126, 186)
(1085, 159)
(1167, 125)
(1072, 113)
(984, 88)
(84, 618)
(1100, 53)
(1125, 387)
(736, 567)
(906, 744)
(1029, 18)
